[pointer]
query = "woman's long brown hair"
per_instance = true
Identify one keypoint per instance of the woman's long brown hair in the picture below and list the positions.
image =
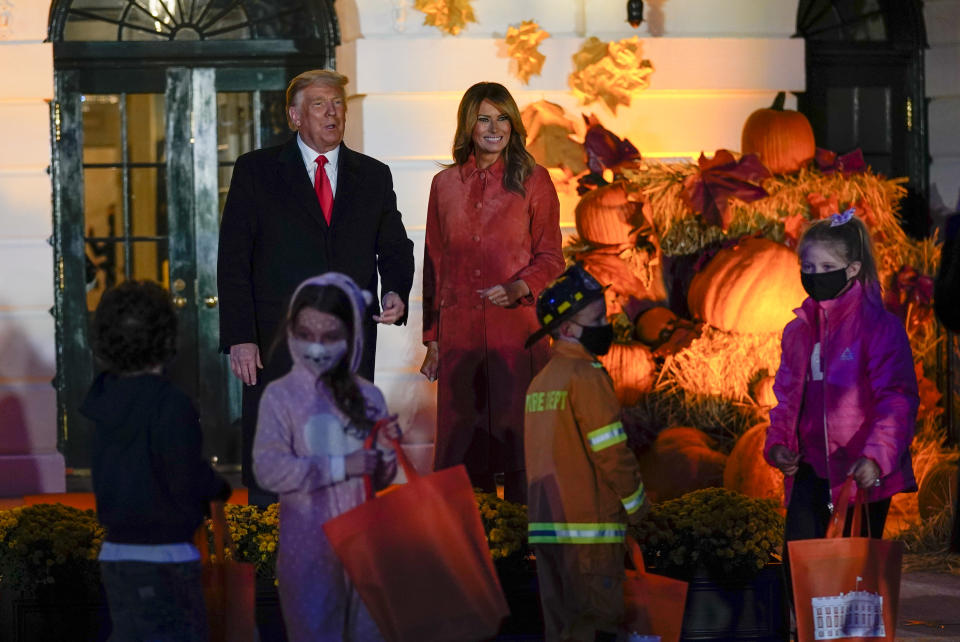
(517, 160)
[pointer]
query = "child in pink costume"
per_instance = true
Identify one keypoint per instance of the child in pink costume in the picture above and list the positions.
(309, 449)
(846, 388)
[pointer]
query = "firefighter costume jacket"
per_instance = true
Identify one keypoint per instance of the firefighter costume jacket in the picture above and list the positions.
(584, 483)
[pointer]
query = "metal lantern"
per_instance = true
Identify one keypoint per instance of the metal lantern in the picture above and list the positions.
(634, 12)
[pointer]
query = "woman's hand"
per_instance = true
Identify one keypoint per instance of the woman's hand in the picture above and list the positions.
(866, 472)
(431, 362)
(785, 459)
(361, 462)
(506, 295)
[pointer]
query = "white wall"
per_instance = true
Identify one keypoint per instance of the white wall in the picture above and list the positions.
(715, 62)
(943, 89)
(29, 461)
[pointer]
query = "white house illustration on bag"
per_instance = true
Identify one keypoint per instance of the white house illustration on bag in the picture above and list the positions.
(854, 614)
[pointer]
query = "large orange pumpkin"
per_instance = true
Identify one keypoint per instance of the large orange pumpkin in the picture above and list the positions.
(782, 138)
(680, 460)
(605, 216)
(751, 287)
(748, 472)
(632, 369)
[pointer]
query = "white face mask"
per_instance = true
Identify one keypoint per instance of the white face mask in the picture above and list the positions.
(318, 358)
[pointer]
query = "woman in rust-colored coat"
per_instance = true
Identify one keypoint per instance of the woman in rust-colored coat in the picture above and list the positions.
(492, 243)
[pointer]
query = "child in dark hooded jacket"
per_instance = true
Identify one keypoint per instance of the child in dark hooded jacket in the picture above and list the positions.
(151, 483)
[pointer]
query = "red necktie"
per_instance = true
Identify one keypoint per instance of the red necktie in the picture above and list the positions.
(321, 185)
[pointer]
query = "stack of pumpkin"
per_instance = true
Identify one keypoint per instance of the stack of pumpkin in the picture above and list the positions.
(643, 236)
(612, 246)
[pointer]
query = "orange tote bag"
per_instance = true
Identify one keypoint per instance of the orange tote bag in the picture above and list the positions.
(228, 585)
(846, 588)
(653, 604)
(419, 559)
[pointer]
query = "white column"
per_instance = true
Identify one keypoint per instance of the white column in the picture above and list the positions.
(29, 461)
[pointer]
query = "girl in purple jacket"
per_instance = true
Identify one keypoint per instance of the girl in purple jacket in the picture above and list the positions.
(309, 450)
(846, 388)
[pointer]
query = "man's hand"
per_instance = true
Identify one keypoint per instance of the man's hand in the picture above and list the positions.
(866, 472)
(431, 362)
(785, 459)
(245, 361)
(505, 295)
(392, 309)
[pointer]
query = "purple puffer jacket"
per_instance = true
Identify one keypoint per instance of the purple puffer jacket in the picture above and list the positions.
(870, 389)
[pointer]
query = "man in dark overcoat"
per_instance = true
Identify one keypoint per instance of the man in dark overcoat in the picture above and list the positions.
(309, 206)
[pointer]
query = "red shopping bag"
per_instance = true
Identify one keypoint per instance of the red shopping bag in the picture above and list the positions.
(419, 559)
(653, 604)
(846, 588)
(228, 585)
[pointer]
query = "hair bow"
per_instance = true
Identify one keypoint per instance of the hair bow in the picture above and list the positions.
(839, 219)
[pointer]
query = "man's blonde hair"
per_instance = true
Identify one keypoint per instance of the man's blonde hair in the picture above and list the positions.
(310, 78)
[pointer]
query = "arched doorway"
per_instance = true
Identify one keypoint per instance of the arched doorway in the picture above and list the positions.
(154, 101)
(865, 88)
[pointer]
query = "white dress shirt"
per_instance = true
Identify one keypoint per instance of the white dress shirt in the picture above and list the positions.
(310, 162)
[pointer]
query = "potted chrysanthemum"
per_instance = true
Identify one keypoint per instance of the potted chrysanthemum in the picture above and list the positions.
(727, 546)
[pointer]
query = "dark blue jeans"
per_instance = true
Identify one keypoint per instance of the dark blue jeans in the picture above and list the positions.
(152, 602)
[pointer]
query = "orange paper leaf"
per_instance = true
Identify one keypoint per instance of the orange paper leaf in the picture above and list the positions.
(449, 16)
(522, 43)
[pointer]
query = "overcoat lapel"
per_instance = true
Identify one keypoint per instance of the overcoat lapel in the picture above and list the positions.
(348, 183)
(295, 176)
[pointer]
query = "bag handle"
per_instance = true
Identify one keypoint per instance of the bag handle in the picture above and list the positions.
(221, 533)
(839, 517)
(408, 468)
(636, 554)
(221, 536)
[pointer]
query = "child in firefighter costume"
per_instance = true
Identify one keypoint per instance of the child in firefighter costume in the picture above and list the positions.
(584, 484)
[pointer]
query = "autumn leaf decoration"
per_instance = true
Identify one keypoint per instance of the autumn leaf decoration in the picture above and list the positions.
(612, 72)
(851, 163)
(522, 43)
(605, 151)
(721, 178)
(449, 16)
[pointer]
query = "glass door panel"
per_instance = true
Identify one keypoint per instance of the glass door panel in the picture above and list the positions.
(125, 227)
(144, 177)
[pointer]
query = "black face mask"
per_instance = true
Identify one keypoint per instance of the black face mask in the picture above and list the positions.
(597, 338)
(824, 286)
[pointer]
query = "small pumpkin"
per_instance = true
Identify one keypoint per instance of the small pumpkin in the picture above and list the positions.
(680, 460)
(654, 323)
(632, 369)
(748, 472)
(605, 216)
(781, 138)
(752, 287)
